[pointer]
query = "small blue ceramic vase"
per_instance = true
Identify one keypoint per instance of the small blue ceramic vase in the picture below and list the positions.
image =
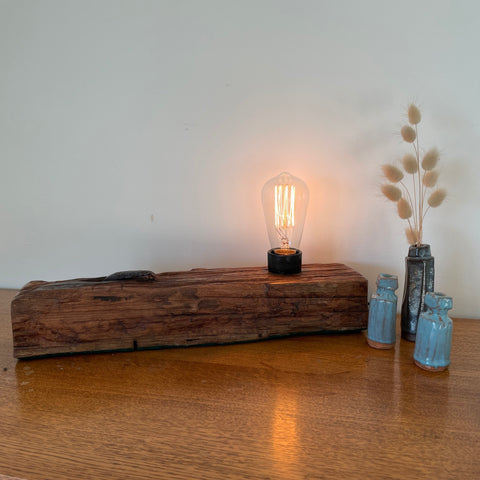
(382, 317)
(434, 334)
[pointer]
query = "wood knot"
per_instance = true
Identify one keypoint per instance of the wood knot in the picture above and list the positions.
(137, 275)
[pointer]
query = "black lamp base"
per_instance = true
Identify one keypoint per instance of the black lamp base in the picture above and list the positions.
(284, 263)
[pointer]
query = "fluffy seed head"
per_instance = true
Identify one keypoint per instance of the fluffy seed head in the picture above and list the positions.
(408, 133)
(392, 192)
(403, 208)
(430, 159)
(414, 115)
(410, 163)
(437, 197)
(430, 178)
(392, 173)
(412, 235)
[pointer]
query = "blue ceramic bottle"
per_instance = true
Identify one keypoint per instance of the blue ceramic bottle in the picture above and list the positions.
(434, 334)
(383, 312)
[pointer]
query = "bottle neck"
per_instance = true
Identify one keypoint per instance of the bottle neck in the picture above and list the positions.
(419, 251)
(385, 292)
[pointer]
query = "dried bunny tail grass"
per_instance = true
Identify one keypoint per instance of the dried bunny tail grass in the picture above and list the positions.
(414, 115)
(408, 133)
(392, 192)
(430, 178)
(412, 236)
(430, 159)
(404, 209)
(437, 197)
(392, 173)
(410, 163)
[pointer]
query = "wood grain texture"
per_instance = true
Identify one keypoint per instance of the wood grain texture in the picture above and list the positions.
(6, 477)
(302, 408)
(202, 306)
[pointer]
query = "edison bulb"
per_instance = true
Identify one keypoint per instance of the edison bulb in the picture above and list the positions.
(285, 200)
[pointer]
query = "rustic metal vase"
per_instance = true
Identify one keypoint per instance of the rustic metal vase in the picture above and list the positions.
(434, 334)
(383, 313)
(419, 279)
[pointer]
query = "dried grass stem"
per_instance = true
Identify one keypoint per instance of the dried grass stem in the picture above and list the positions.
(411, 206)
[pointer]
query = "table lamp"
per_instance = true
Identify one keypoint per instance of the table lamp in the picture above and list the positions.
(285, 200)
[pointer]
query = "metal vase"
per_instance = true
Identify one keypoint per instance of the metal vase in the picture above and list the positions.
(419, 279)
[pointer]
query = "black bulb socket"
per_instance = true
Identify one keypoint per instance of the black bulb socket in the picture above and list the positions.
(284, 261)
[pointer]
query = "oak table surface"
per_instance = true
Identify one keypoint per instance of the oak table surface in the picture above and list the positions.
(314, 407)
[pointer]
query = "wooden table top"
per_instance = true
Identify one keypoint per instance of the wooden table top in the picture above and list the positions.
(317, 407)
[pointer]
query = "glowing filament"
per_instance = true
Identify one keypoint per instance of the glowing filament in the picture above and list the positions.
(284, 212)
(284, 206)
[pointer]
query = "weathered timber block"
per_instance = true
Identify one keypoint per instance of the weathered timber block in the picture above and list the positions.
(140, 310)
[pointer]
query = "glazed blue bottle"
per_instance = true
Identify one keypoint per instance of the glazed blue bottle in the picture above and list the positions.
(382, 317)
(434, 334)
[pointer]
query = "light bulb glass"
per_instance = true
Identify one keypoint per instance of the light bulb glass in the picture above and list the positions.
(285, 200)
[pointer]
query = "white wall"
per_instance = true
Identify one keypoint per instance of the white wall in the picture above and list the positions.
(138, 134)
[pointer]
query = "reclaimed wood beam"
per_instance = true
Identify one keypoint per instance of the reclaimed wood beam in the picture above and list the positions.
(142, 310)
